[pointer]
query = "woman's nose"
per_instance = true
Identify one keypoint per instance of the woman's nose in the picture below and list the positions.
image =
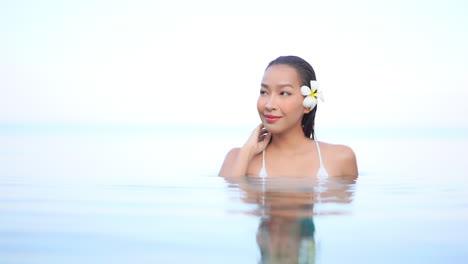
(271, 103)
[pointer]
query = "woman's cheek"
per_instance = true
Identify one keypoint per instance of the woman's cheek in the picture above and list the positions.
(260, 104)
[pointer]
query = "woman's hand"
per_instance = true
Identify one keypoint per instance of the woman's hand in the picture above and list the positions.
(237, 160)
(257, 141)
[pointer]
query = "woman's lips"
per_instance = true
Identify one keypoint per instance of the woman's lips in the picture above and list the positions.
(272, 118)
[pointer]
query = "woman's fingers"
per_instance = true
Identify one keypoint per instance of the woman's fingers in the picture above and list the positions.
(258, 140)
(262, 134)
(265, 140)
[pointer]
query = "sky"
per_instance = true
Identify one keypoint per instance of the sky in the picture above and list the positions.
(379, 63)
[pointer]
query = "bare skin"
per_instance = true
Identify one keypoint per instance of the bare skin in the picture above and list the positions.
(288, 152)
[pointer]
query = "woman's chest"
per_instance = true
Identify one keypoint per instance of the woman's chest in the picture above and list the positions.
(285, 165)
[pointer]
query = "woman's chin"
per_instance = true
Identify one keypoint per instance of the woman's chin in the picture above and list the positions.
(271, 127)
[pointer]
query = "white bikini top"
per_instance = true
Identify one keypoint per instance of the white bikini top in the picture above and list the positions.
(321, 173)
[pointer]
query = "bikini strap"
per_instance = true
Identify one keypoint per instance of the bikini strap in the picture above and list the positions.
(263, 161)
(318, 150)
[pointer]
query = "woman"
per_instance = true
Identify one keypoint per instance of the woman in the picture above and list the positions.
(284, 144)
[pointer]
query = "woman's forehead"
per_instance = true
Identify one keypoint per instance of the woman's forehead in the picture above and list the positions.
(281, 74)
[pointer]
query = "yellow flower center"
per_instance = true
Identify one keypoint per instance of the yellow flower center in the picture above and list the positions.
(314, 94)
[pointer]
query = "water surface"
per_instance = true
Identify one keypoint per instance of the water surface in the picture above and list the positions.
(152, 196)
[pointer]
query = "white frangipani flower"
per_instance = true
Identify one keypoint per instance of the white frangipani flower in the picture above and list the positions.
(311, 94)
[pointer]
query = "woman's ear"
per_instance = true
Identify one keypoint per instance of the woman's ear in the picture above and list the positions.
(306, 110)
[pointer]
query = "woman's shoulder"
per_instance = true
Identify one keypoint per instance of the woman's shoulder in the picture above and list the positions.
(337, 150)
(340, 155)
(233, 151)
(231, 155)
(228, 162)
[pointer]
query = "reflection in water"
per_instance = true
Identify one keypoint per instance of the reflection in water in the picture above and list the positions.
(286, 209)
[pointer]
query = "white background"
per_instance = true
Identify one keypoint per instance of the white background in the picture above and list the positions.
(380, 63)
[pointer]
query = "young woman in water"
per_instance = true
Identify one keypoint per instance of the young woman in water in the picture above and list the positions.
(284, 144)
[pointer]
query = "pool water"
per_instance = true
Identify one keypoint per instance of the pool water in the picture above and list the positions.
(152, 196)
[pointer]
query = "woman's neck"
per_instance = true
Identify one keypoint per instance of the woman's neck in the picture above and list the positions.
(290, 140)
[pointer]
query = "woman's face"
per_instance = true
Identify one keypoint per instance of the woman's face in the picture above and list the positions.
(280, 102)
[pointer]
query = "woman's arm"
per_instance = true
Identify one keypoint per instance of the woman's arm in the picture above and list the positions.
(237, 160)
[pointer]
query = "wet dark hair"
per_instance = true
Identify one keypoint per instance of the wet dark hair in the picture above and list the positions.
(307, 74)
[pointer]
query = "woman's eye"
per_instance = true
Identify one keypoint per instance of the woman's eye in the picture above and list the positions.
(262, 92)
(285, 93)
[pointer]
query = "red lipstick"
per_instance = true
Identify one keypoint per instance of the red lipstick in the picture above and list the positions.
(272, 118)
